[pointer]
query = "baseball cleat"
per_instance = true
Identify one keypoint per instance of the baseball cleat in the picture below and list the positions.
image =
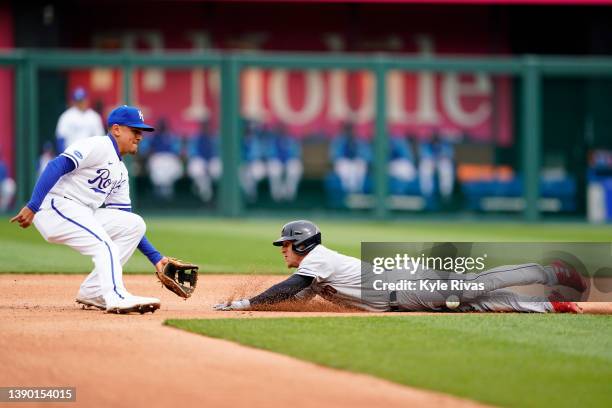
(568, 276)
(98, 302)
(566, 307)
(134, 304)
(561, 306)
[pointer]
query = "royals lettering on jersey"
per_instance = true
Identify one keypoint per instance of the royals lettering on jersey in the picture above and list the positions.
(100, 176)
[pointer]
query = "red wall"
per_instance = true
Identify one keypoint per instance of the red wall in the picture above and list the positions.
(7, 151)
(423, 104)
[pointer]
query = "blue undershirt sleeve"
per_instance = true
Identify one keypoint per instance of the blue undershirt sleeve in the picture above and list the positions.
(52, 173)
(146, 247)
(149, 251)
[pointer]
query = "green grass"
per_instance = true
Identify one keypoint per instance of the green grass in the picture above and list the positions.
(244, 246)
(502, 359)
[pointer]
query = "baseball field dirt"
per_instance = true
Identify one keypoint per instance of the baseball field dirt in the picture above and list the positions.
(136, 361)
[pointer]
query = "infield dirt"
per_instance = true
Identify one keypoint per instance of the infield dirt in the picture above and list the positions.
(135, 361)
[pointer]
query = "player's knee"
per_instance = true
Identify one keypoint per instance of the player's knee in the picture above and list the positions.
(134, 225)
(113, 248)
(138, 225)
(104, 249)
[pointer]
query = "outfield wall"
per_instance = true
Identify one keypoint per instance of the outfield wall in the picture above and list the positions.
(529, 71)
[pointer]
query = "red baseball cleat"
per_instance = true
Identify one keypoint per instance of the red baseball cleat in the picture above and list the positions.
(566, 307)
(568, 276)
(560, 306)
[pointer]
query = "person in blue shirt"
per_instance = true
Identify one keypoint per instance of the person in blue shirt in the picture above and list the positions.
(253, 168)
(164, 163)
(78, 122)
(350, 157)
(204, 165)
(284, 164)
(7, 186)
(436, 155)
(401, 159)
(48, 154)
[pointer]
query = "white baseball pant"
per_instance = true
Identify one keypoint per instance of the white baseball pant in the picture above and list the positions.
(108, 236)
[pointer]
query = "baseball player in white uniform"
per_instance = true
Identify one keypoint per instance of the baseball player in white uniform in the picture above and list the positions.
(77, 122)
(65, 208)
(340, 279)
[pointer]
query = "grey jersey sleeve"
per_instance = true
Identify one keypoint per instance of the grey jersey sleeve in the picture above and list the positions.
(318, 264)
(284, 290)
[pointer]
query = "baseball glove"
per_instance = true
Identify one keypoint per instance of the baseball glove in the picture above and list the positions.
(179, 277)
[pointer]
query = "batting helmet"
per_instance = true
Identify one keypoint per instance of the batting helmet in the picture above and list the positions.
(304, 234)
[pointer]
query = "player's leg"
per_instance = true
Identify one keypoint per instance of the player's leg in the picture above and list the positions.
(402, 169)
(125, 229)
(360, 169)
(246, 182)
(352, 174)
(275, 173)
(500, 277)
(494, 301)
(71, 224)
(426, 176)
(295, 169)
(507, 301)
(7, 191)
(258, 170)
(215, 168)
(250, 175)
(446, 176)
(514, 275)
(156, 173)
(466, 288)
(343, 168)
(165, 169)
(196, 169)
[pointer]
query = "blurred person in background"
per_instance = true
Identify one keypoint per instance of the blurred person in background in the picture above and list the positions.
(253, 168)
(436, 155)
(203, 162)
(78, 122)
(163, 159)
(7, 185)
(284, 164)
(48, 154)
(401, 160)
(350, 157)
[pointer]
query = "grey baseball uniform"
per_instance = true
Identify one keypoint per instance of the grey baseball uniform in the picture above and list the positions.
(339, 278)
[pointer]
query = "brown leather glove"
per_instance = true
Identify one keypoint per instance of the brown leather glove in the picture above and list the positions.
(179, 277)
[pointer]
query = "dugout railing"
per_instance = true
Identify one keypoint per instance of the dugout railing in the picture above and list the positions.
(529, 69)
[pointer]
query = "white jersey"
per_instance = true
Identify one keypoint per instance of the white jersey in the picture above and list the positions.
(337, 278)
(100, 176)
(75, 124)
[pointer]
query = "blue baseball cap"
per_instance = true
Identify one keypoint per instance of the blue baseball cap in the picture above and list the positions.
(128, 116)
(79, 94)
